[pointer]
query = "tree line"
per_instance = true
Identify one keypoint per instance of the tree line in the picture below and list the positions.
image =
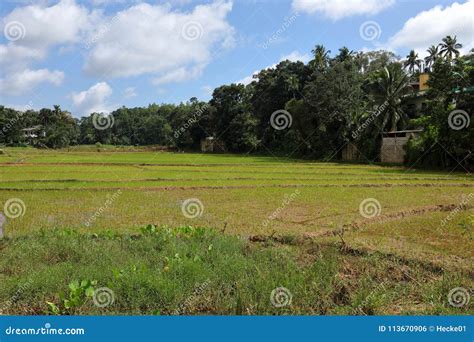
(296, 109)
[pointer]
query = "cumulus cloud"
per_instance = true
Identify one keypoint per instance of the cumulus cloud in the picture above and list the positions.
(64, 22)
(30, 32)
(293, 56)
(429, 27)
(24, 81)
(93, 99)
(173, 45)
(338, 9)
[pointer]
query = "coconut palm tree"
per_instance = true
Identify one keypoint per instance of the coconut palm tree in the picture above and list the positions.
(344, 54)
(449, 47)
(391, 84)
(433, 54)
(321, 56)
(412, 62)
(293, 85)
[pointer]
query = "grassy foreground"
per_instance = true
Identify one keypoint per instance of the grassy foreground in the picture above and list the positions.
(201, 271)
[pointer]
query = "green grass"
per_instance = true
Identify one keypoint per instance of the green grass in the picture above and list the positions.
(119, 190)
(200, 271)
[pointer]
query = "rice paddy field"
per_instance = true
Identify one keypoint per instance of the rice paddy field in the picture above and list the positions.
(150, 225)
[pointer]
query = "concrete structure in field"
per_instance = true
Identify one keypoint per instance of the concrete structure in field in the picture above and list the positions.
(211, 144)
(393, 145)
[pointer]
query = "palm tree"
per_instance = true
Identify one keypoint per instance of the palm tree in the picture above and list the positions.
(449, 47)
(432, 55)
(321, 56)
(412, 61)
(344, 54)
(293, 84)
(388, 90)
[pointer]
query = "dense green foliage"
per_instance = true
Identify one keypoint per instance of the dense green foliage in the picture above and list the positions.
(188, 270)
(329, 99)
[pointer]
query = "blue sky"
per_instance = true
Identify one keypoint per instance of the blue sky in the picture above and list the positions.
(101, 54)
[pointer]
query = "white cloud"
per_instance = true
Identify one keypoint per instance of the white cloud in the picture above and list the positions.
(32, 31)
(173, 45)
(24, 81)
(93, 99)
(64, 22)
(293, 56)
(179, 75)
(129, 92)
(337, 9)
(429, 27)
(17, 57)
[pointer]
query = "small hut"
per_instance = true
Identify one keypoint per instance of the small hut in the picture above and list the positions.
(393, 145)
